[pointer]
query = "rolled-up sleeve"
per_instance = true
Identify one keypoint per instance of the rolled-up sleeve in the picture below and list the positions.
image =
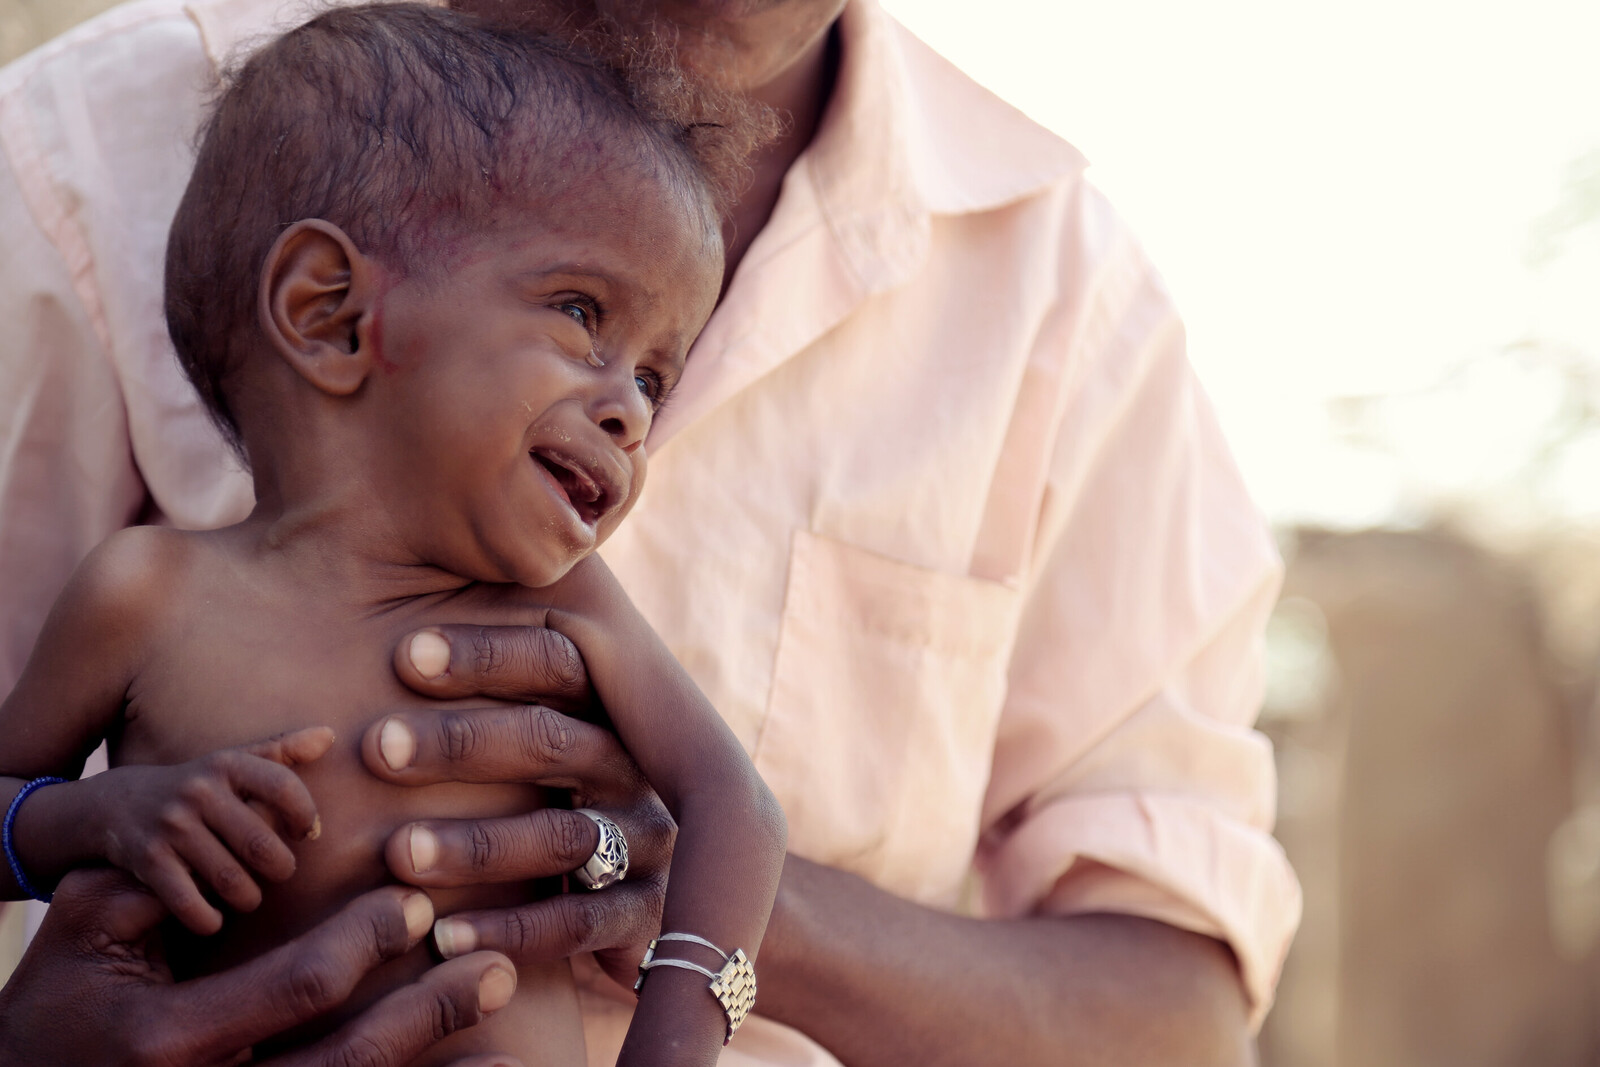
(1127, 775)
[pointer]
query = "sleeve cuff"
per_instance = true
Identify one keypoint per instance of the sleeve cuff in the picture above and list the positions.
(1160, 857)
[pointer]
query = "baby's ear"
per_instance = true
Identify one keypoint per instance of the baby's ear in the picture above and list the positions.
(316, 305)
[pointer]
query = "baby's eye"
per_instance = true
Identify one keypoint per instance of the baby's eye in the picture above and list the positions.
(579, 313)
(650, 387)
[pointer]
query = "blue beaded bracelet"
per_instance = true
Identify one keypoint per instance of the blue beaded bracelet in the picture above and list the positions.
(6, 843)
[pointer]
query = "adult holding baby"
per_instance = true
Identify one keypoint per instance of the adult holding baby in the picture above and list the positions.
(100, 938)
(939, 521)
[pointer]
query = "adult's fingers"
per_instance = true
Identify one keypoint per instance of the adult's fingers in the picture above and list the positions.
(104, 905)
(71, 988)
(409, 1021)
(212, 1018)
(540, 844)
(627, 913)
(442, 854)
(522, 663)
(528, 744)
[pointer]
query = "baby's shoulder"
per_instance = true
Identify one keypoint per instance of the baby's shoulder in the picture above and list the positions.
(136, 572)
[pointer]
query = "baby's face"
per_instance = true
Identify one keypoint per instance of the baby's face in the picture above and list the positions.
(519, 382)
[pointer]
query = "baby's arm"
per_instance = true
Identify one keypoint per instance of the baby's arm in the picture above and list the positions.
(159, 823)
(731, 831)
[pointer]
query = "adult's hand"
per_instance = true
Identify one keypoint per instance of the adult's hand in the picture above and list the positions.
(94, 987)
(528, 664)
(532, 744)
(1086, 989)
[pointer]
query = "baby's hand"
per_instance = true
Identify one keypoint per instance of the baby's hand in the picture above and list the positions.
(168, 825)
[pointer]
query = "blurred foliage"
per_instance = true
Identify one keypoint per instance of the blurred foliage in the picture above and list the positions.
(1578, 206)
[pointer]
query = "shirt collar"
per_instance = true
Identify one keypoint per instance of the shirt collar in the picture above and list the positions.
(907, 136)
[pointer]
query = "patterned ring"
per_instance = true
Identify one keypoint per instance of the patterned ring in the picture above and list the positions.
(609, 864)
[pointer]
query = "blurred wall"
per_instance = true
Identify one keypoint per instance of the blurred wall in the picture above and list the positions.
(1423, 779)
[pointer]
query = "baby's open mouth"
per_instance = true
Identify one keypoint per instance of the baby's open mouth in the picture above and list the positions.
(587, 497)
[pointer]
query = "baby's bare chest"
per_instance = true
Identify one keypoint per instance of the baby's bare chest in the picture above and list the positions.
(224, 679)
(235, 668)
(231, 672)
(219, 679)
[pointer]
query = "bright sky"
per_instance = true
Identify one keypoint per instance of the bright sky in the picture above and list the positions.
(1342, 198)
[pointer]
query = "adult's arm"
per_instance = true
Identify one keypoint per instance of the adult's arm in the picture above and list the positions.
(94, 988)
(878, 980)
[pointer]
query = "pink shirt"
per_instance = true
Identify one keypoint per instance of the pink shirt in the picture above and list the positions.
(939, 517)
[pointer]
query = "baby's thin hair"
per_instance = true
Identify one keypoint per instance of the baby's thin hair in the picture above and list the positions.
(406, 126)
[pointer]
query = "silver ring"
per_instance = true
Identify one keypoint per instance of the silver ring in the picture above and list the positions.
(609, 864)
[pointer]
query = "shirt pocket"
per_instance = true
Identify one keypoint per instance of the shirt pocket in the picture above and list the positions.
(881, 721)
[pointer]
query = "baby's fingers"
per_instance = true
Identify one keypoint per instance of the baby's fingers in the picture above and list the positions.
(272, 784)
(169, 878)
(295, 747)
(253, 840)
(216, 866)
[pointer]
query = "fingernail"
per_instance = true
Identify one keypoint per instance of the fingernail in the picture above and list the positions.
(454, 938)
(430, 654)
(397, 745)
(495, 988)
(424, 849)
(419, 915)
(316, 828)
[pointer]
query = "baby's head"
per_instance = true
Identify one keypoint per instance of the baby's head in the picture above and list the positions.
(472, 258)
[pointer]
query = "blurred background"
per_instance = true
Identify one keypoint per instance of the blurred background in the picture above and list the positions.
(1381, 219)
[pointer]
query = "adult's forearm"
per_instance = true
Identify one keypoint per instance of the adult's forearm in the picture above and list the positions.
(881, 981)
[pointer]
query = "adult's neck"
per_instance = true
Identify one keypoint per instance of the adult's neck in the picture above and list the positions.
(800, 94)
